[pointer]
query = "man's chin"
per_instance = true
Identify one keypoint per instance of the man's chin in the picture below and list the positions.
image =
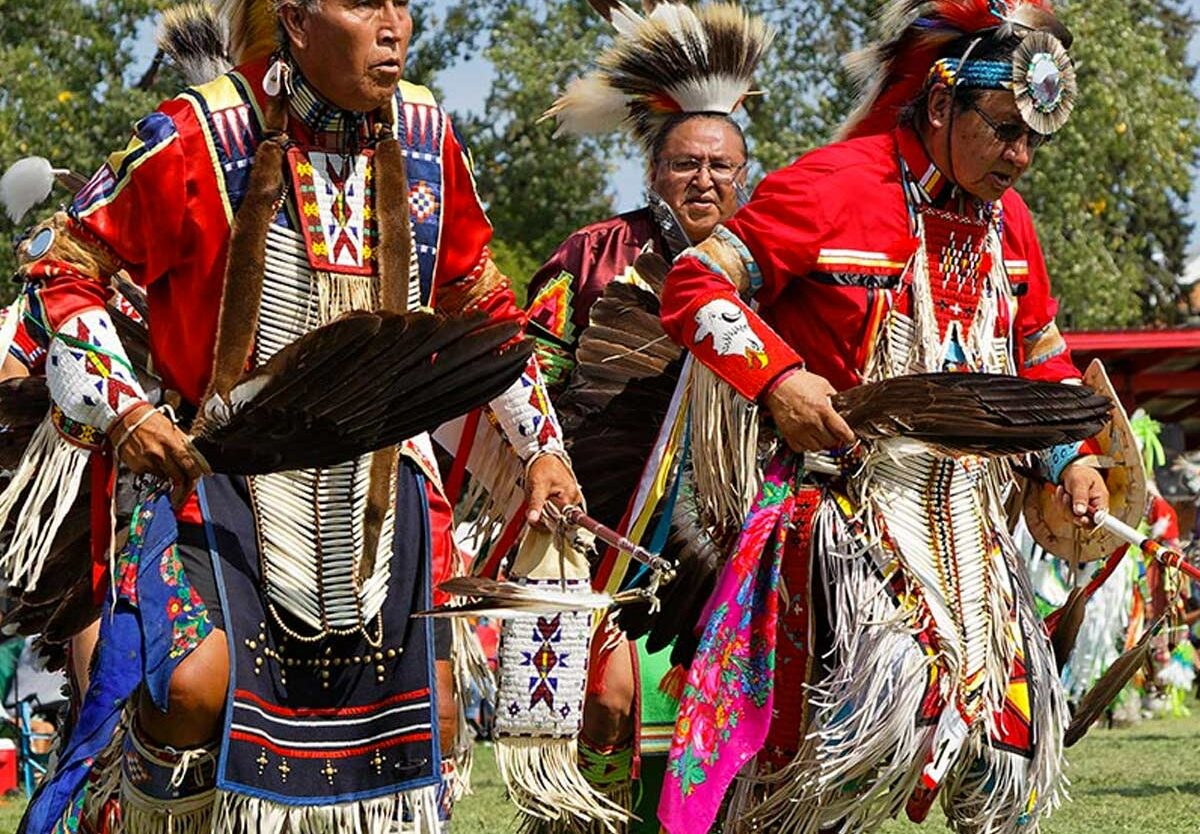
(699, 224)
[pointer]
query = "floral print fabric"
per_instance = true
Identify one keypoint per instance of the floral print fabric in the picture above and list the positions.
(725, 711)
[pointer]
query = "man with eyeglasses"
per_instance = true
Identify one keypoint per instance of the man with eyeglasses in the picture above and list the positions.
(906, 661)
(696, 169)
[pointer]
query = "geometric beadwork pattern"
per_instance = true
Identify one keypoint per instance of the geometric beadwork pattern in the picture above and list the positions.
(88, 373)
(543, 669)
(336, 209)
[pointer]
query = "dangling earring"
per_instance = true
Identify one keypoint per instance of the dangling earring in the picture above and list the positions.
(279, 77)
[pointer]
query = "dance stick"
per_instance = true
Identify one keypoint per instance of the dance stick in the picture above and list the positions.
(575, 517)
(1157, 550)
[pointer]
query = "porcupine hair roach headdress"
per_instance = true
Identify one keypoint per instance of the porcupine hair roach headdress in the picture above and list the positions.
(253, 27)
(925, 41)
(674, 60)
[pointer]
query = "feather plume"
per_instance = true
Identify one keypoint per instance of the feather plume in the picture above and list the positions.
(1066, 626)
(675, 60)
(253, 30)
(193, 37)
(589, 106)
(984, 414)
(505, 599)
(361, 383)
(1105, 690)
(891, 72)
(26, 183)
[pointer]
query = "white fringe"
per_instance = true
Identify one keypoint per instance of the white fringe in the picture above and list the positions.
(471, 670)
(340, 294)
(863, 731)
(544, 782)
(724, 450)
(47, 480)
(241, 814)
(193, 817)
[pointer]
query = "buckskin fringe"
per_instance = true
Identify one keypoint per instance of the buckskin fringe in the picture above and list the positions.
(471, 670)
(241, 814)
(191, 816)
(863, 731)
(45, 484)
(544, 782)
(725, 450)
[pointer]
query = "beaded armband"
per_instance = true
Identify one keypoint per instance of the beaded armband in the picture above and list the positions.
(1056, 459)
(91, 380)
(526, 416)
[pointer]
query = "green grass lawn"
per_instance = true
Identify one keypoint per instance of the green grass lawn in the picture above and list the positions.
(1142, 780)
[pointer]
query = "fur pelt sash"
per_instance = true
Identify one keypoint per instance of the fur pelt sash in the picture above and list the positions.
(241, 297)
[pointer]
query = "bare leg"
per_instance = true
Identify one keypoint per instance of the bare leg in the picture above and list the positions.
(83, 647)
(196, 701)
(608, 709)
(447, 707)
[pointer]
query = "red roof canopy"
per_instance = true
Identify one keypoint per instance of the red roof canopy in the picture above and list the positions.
(1158, 370)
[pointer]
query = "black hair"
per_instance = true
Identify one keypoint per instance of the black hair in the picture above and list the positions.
(679, 119)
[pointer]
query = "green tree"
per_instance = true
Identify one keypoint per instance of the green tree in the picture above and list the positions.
(538, 188)
(68, 85)
(1110, 193)
(806, 90)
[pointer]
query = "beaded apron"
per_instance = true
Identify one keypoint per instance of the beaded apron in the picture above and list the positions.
(939, 566)
(330, 700)
(311, 522)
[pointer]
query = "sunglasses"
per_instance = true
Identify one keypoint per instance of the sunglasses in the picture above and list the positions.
(1010, 133)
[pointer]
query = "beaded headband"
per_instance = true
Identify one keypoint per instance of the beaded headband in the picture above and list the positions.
(1040, 75)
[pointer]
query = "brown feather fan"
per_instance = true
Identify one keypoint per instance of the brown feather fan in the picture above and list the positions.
(626, 372)
(1067, 625)
(1110, 684)
(618, 396)
(361, 383)
(23, 405)
(980, 414)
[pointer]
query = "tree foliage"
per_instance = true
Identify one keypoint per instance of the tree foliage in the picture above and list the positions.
(1109, 195)
(68, 82)
(538, 188)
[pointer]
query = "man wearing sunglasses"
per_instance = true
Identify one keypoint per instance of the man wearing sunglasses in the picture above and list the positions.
(905, 663)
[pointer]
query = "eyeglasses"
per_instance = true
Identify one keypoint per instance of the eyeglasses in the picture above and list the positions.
(721, 170)
(1010, 133)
